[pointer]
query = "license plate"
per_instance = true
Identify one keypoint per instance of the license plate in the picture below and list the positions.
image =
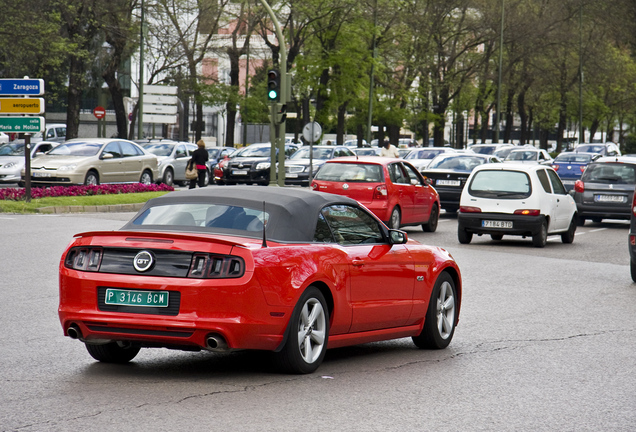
(610, 198)
(41, 174)
(568, 182)
(289, 175)
(136, 298)
(448, 183)
(496, 224)
(239, 172)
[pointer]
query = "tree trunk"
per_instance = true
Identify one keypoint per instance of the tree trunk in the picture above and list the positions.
(74, 100)
(342, 118)
(509, 116)
(523, 115)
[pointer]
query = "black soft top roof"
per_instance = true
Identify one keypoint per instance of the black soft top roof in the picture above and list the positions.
(293, 211)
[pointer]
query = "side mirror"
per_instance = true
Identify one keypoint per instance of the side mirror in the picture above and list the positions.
(398, 236)
(428, 181)
(107, 156)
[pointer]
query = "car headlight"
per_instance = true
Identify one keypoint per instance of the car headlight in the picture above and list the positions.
(10, 165)
(67, 167)
(263, 165)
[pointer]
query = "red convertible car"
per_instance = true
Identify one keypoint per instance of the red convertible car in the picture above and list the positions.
(286, 270)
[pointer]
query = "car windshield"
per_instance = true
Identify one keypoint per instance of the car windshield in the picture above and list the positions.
(573, 158)
(484, 149)
(615, 173)
(522, 155)
(457, 163)
(77, 149)
(319, 153)
(500, 184)
(350, 172)
(213, 216)
(160, 149)
(423, 154)
(254, 151)
(12, 149)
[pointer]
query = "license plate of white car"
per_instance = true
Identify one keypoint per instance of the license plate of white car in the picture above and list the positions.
(610, 198)
(136, 298)
(239, 172)
(448, 183)
(496, 224)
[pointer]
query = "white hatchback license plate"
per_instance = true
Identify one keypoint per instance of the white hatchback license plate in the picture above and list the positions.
(239, 172)
(41, 174)
(448, 183)
(610, 198)
(496, 224)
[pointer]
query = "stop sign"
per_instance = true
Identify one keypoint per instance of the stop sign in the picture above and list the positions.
(99, 112)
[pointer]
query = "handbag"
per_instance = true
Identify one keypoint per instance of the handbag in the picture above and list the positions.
(191, 171)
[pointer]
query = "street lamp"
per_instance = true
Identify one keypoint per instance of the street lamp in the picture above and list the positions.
(498, 117)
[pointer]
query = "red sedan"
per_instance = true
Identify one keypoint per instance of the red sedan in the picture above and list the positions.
(391, 188)
(286, 270)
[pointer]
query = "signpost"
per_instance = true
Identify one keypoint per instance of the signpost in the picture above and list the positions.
(100, 114)
(24, 105)
(160, 104)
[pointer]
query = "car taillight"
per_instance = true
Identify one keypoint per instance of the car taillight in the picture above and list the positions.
(579, 186)
(468, 209)
(555, 167)
(582, 168)
(380, 192)
(632, 240)
(528, 212)
(84, 258)
(314, 185)
(210, 266)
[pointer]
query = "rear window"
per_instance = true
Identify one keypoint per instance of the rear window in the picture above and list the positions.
(350, 172)
(500, 184)
(573, 158)
(610, 173)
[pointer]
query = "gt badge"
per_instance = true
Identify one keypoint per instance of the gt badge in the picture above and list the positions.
(143, 261)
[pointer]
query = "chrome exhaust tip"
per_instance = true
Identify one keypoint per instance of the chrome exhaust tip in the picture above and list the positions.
(215, 342)
(74, 332)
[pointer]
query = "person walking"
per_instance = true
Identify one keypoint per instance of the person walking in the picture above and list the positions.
(199, 158)
(389, 150)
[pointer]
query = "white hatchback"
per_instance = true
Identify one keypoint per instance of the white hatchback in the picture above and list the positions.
(515, 199)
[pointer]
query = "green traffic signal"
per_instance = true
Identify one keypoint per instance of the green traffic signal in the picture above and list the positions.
(273, 85)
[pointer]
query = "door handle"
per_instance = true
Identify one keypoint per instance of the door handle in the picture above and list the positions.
(357, 262)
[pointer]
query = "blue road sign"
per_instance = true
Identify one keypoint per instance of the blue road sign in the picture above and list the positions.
(16, 86)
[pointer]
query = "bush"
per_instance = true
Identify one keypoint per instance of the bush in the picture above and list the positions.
(18, 194)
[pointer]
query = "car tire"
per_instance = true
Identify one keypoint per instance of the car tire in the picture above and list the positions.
(568, 236)
(168, 177)
(580, 220)
(91, 179)
(395, 219)
(439, 326)
(496, 237)
(433, 219)
(541, 238)
(306, 342)
(206, 181)
(632, 269)
(146, 178)
(112, 352)
(464, 236)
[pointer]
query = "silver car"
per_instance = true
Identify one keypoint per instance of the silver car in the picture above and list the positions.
(12, 158)
(92, 161)
(172, 157)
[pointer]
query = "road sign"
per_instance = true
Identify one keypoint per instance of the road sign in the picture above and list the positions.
(22, 124)
(16, 86)
(99, 112)
(21, 105)
(160, 118)
(312, 132)
(160, 99)
(160, 89)
(159, 109)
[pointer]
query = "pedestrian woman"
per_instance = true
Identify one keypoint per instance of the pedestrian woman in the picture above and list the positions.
(199, 159)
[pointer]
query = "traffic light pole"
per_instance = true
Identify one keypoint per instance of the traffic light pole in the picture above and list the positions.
(279, 129)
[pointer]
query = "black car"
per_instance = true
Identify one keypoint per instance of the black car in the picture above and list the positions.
(297, 167)
(251, 164)
(606, 189)
(448, 173)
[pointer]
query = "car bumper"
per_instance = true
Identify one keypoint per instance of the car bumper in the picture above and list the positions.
(261, 177)
(449, 198)
(591, 211)
(58, 178)
(521, 225)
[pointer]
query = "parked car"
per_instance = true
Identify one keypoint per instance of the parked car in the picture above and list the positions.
(297, 166)
(570, 165)
(172, 158)
(391, 188)
(448, 172)
(606, 149)
(489, 148)
(12, 159)
(503, 152)
(606, 188)
(285, 270)
(519, 200)
(251, 164)
(55, 132)
(354, 143)
(92, 161)
(421, 157)
(526, 155)
(367, 151)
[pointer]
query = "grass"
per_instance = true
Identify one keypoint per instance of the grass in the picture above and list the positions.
(9, 206)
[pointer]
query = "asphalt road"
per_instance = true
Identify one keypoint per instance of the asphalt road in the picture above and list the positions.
(545, 343)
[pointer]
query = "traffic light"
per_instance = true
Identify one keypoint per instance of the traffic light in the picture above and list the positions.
(282, 114)
(273, 85)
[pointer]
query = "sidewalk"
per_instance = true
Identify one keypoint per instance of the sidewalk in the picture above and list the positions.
(92, 209)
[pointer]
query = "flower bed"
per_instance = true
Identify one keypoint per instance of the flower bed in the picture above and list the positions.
(18, 194)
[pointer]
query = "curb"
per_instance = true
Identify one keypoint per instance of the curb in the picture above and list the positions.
(117, 208)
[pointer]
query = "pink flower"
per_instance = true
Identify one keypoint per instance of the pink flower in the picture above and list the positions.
(18, 194)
